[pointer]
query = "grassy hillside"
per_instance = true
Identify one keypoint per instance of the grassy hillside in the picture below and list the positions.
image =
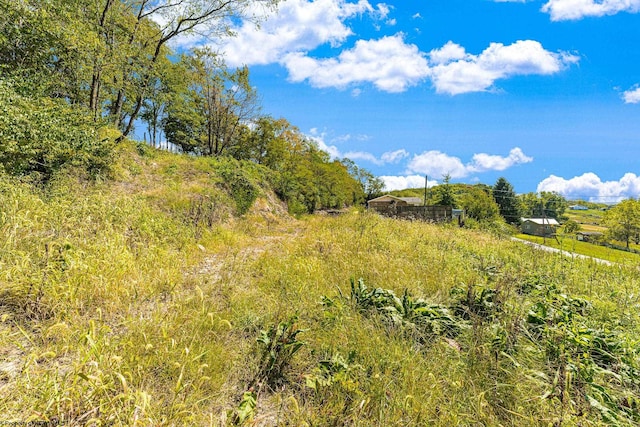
(570, 244)
(148, 300)
(589, 220)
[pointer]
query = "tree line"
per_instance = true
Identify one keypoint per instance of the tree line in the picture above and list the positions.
(485, 205)
(78, 76)
(488, 206)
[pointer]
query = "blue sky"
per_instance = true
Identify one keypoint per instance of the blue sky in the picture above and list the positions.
(545, 93)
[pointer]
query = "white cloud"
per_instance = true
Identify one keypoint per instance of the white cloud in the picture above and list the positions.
(486, 162)
(299, 25)
(318, 137)
(335, 153)
(562, 10)
(394, 156)
(449, 52)
(632, 96)
(590, 187)
(385, 158)
(455, 72)
(438, 164)
(362, 155)
(388, 63)
(382, 10)
(401, 182)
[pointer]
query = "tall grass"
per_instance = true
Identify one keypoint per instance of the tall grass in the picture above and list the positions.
(123, 305)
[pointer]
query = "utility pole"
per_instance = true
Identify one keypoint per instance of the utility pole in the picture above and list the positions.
(426, 180)
(544, 224)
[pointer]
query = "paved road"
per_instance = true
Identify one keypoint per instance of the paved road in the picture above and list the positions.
(567, 253)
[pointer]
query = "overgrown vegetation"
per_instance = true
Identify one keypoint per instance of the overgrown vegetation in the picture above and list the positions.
(40, 136)
(147, 300)
(145, 288)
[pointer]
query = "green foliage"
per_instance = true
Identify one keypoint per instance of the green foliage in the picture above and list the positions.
(545, 205)
(243, 187)
(443, 194)
(623, 221)
(505, 197)
(308, 180)
(246, 409)
(277, 345)
(335, 370)
(476, 300)
(479, 204)
(371, 186)
(412, 315)
(41, 136)
(208, 113)
(570, 227)
(587, 363)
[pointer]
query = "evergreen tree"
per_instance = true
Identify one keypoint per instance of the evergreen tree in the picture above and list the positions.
(443, 193)
(507, 201)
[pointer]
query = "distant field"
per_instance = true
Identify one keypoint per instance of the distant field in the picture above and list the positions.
(584, 248)
(589, 220)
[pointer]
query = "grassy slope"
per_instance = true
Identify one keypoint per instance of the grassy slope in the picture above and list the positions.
(569, 244)
(122, 305)
(589, 220)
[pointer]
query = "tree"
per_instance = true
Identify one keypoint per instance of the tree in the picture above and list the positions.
(267, 143)
(544, 205)
(371, 186)
(164, 90)
(507, 201)
(209, 115)
(212, 18)
(623, 221)
(228, 101)
(443, 193)
(107, 55)
(478, 203)
(571, 227)
(39, 136)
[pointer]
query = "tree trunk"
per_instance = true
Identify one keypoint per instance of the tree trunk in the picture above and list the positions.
(95, 91)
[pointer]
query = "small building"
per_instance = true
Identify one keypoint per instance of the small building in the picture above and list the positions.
(539, 226)
(589, 236)
(387, 201)
(409, 208)
(578, 208)
(458, 214)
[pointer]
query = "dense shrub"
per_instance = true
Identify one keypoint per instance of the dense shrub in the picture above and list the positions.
(39, 136)
(241, 180)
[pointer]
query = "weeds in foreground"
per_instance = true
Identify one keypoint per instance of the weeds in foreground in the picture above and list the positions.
(277, 345)
(416, 315)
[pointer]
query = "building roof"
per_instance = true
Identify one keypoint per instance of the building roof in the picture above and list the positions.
(542, 221)
(389, 197)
